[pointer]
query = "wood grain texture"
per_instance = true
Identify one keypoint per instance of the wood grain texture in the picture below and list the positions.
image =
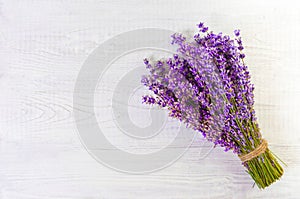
(43, 45)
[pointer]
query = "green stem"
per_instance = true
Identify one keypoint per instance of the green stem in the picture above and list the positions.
(264, 169)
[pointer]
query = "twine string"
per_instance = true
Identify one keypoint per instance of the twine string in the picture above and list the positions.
(256, 152)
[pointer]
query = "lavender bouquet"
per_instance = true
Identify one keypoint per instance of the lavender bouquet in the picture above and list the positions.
(207, 86)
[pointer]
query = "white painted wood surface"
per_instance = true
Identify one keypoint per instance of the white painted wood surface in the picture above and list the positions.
(42, 47)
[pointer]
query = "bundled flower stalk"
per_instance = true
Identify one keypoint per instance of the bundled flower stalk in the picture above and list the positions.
(207, 86)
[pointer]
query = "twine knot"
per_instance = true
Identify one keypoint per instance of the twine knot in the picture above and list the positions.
(256, 152)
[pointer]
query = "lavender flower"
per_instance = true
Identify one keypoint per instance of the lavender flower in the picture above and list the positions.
(207, 86)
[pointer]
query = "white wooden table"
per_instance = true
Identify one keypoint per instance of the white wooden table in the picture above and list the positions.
(43, 45)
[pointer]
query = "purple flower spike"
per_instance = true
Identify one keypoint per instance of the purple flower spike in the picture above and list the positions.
(200, 25)
(237, 33)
